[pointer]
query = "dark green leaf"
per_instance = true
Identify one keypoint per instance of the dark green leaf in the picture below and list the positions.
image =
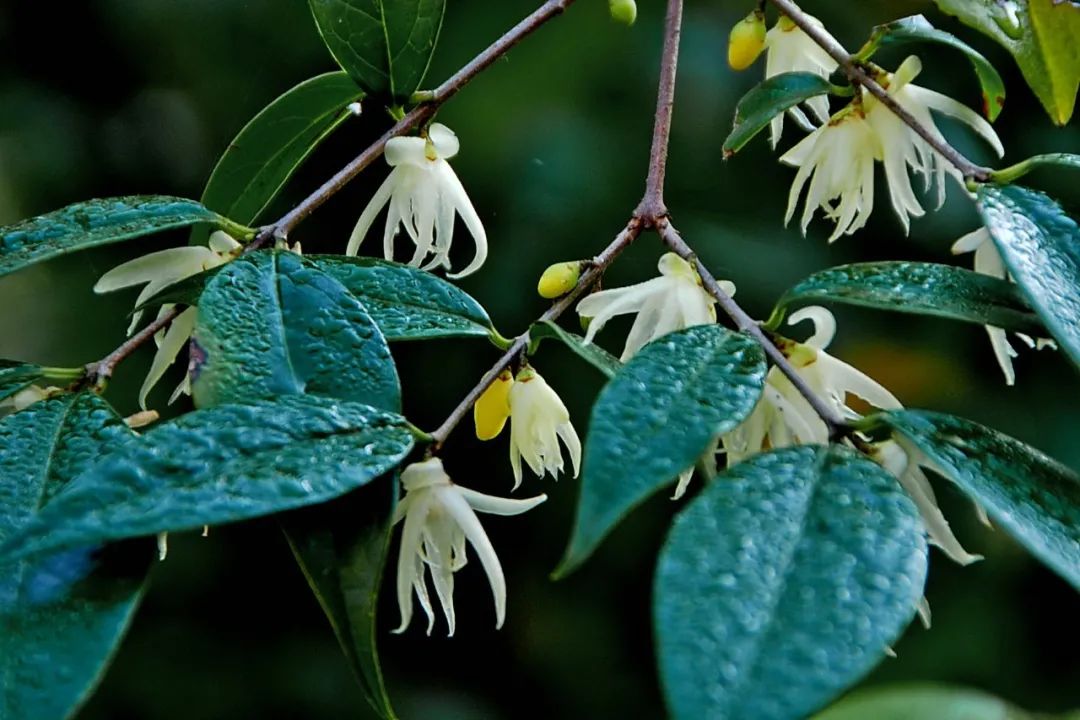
(593, 354)
(407, 303)
(342, 548)
(769, 99)
(98, 222)
(269, 149)
(918, 29)
(385, 45)
(14, 376)
(919, 288)
(1034, 497)
(783, 583)
(921, 702)
(655, 418)
(1041, 35)
(62, 616)
(220, 465)
(1040, 245)
(269, 324)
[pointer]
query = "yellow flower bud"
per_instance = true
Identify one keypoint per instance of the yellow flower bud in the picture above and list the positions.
(624, 11)
(746, 41)
(559, 279)
(493, 408)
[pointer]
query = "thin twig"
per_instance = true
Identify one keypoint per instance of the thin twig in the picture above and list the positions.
(671, 237)
(591, 274)
(98, 373)
(652, 205)
(858, 75)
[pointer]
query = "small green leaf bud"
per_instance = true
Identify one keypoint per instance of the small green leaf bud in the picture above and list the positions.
(746, 41)
(623, 11)
(559, 279)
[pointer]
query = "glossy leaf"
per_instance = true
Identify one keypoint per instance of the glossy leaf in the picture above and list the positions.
(269, 324)
(1032, 496)
(1041, 36)
(98, 222)
(14, 376)
(655, 418)
(385, 45)
(918, 29)
(407, 303)
(342, 549)
(61, 616)
(591, 353)
(922, 701)
(275, 142)
(783, 583)
(220, 465)
(769, 99)
(918, 288)
(1040, 245)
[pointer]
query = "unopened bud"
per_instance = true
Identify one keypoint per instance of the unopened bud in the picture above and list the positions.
(559, 279)
(493, 407)
(746, 41)
(624, 11)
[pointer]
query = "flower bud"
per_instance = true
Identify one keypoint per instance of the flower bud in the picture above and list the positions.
(746, 41)
(559, 279)
(623, 11)
(493, 408)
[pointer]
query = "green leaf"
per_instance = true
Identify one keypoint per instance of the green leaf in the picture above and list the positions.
(220, 465)
(1041, 36)
(407, 303)
(922, 701)
(918, 288)
(1017, 171)
(783, 583)
(61, 616)
(99, 222)
(260, 160)
(14, 376)
(1032, 496)
(655, 418)
(385, 45)
(593, 354)
(269, 324)
(767, 100)
(1040, 245)
(342, 548)
(918, 29)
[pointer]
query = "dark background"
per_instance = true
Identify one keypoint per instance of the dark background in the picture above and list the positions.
(114, 97)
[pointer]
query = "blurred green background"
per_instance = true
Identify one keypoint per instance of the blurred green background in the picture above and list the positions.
(113, 97)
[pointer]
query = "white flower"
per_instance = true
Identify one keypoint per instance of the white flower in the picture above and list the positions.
(423, 194)
(439, 517)
(988, 262)
(840, 158)
(25, 398)
(902, 147)
(538, 419)
(157, 271)
(673, 301)
(789, 49)
(783, 416)
(902, 459)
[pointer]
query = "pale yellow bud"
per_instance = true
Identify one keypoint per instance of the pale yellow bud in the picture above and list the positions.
(559, 279)
(746, 41)
(624, 11)
(493, 408)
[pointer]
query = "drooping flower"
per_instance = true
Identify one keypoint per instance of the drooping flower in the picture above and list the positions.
(439, 516)
(674, 301)
(538, 420)
(903, 148)
(789, 49)
(157, 271)
(423, 194)
(492, 409)
(838, 160)
(988, 262)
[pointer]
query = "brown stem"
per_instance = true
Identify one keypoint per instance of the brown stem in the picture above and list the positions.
(857, 75)
(98, 373)
(652, 205)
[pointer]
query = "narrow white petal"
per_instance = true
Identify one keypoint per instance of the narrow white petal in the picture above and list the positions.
(1003, 352)
(455, 191)
(493, 505)
(455, 503)
(378, 200)
(684, 483)
(947, 106)
(411, 536)
(165, 266)
(175, 338)
(573, 444)
(824, 325)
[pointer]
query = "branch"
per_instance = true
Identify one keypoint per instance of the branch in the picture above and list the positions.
(857, 75)
(652, 205)
(98, 373)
